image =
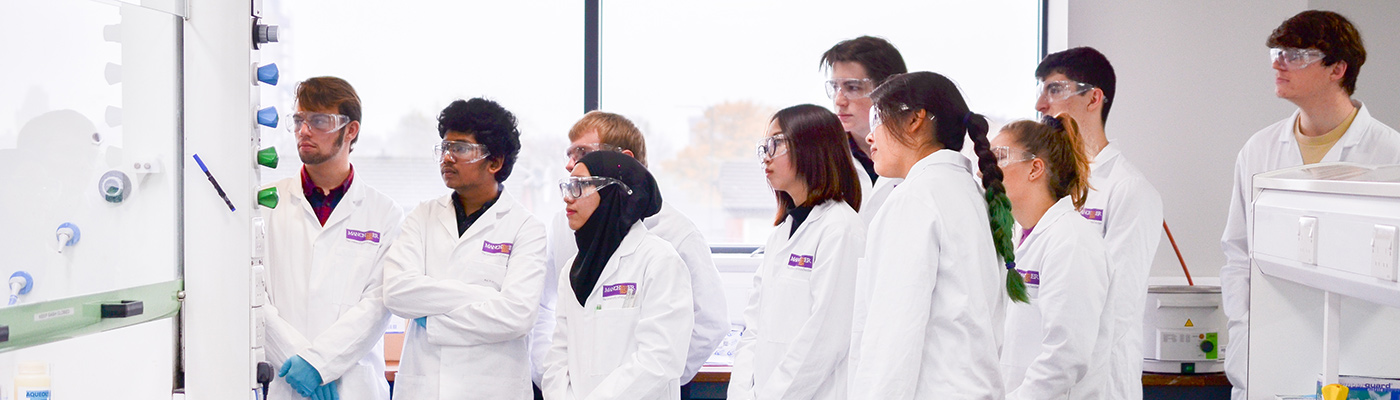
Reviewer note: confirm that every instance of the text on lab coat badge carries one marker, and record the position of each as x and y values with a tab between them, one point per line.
1031	277
621	289
623	293
800	261
1092	214
362	236
496	248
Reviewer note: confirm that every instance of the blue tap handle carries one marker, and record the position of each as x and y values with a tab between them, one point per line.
268	117
77	234
28	282
268	74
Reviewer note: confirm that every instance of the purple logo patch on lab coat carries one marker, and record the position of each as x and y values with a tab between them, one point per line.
1031	277
359	236
800	261
1092	214
621	289
495	248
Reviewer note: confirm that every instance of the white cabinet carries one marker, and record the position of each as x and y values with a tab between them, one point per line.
1323	299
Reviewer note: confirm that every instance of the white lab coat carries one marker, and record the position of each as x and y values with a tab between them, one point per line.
323	288
872	194
1058	346
1367	141
629	340
798	321
479	292
711	310
1127	212
930	291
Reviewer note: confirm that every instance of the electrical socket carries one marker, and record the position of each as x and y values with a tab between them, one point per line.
1383	249
1307	240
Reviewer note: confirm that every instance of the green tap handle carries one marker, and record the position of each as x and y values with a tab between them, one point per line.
268	197
268	157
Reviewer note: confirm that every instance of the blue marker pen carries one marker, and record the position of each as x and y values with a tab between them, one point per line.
216	183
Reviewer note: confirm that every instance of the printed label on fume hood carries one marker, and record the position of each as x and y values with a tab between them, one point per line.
48	315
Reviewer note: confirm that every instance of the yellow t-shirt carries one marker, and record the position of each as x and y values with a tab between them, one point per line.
1316	147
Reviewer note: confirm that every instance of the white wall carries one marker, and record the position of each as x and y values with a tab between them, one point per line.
1194	82
1378	86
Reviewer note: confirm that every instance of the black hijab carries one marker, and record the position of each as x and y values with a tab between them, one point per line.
617	211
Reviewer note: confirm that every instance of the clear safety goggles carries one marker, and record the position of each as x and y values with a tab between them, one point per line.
1003	155
772	147
461	151
1054	91
320	123
577	187
577	151
852	88
1292	59
876	120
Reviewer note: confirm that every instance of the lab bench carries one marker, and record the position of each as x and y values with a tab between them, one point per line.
713	381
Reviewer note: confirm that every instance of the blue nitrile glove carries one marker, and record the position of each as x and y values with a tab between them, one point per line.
301	375
422	321
327	392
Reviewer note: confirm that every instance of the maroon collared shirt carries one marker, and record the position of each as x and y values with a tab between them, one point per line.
323	204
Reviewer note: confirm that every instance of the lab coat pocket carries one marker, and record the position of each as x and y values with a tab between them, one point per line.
614	331
349	274
358	249
409	387
487	273
788	304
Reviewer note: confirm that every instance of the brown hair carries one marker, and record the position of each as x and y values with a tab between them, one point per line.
1056	141
819	151
879	58
612	129
325	92
1329	32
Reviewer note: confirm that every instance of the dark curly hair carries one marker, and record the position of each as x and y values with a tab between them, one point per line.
490	124
1329	32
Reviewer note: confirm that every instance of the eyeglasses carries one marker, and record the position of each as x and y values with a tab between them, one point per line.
577	187
320	123
1003	155
852	88
1054	91
461	151
577	151
773	146
1292	59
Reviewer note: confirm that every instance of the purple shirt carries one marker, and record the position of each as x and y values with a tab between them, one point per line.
323	204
